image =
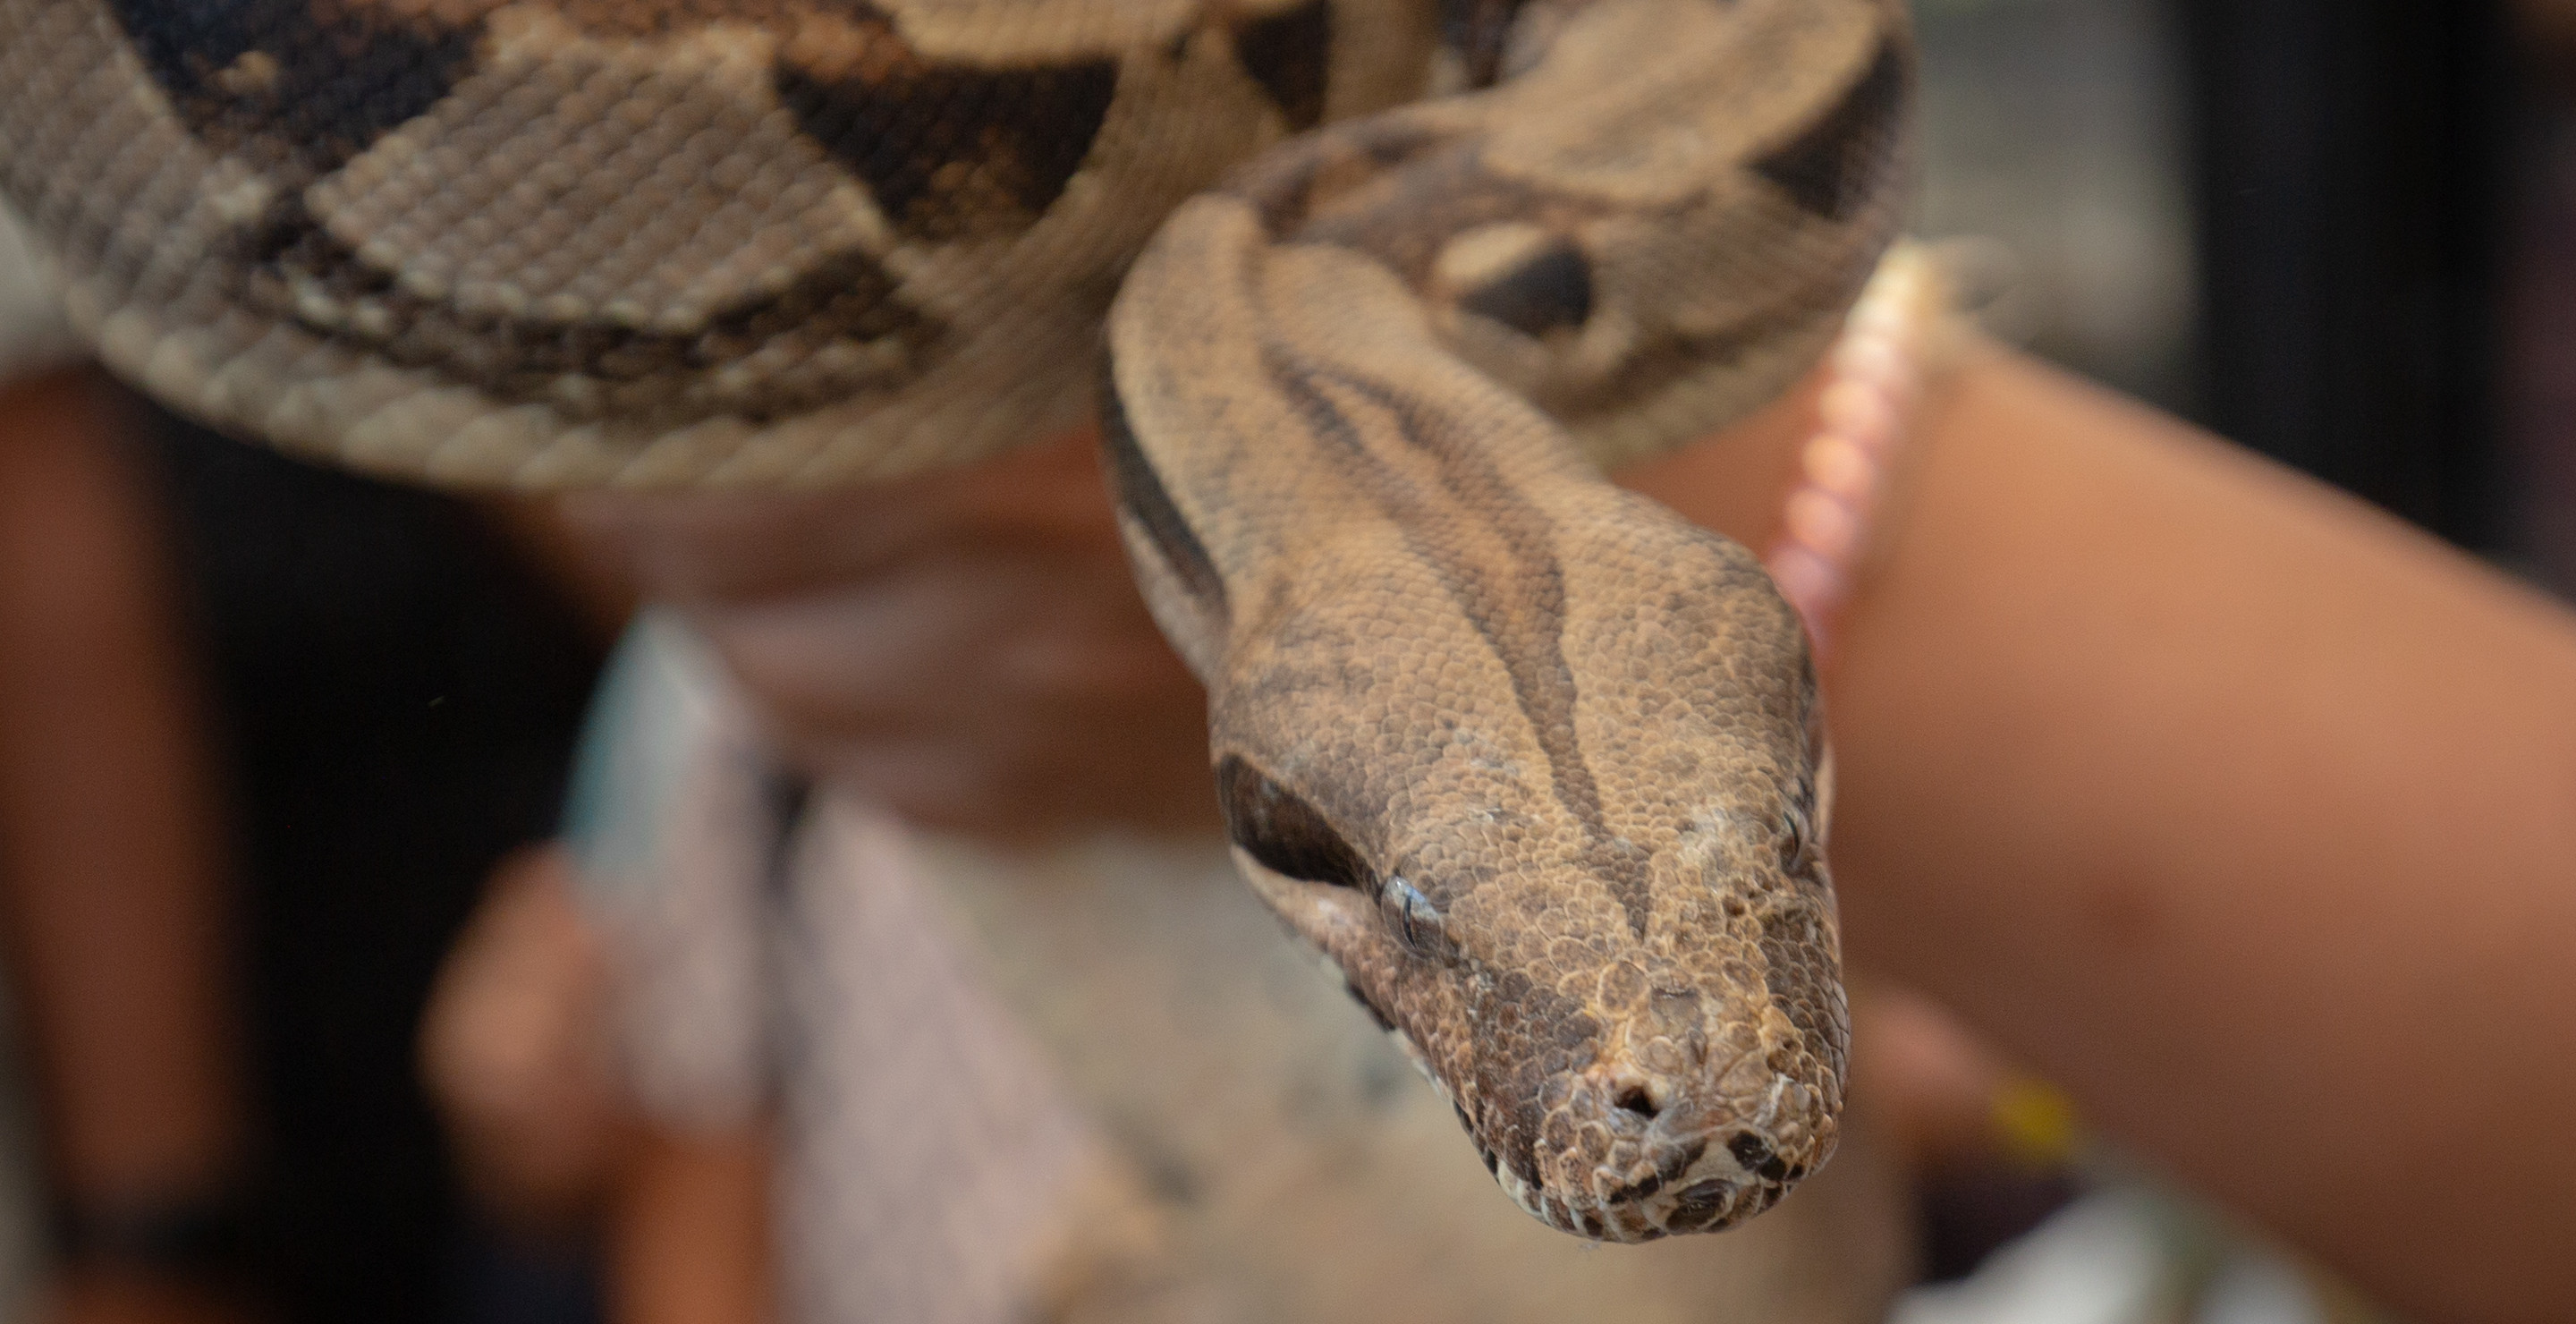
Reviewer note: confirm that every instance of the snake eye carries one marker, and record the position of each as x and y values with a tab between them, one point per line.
1287	835
1415	920
1795	839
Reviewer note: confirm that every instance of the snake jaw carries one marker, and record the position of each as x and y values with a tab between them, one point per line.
1683	1118
1625	1073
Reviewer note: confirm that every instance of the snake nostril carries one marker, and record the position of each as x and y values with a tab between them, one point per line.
1635	1099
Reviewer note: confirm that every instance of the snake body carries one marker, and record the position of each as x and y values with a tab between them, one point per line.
1538	765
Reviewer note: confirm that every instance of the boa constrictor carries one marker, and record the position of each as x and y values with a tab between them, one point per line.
1534	762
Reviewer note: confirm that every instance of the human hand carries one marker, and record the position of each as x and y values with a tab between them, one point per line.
515	1051
967	646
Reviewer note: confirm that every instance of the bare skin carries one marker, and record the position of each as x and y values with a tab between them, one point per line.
2228	804
966	646
2239	810
688	1233
109	847
513	1051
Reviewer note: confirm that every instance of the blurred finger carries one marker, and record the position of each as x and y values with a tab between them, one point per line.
962	636
716	546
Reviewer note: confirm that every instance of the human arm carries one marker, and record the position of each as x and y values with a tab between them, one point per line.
110	846
2241	811
689	1238
516	1051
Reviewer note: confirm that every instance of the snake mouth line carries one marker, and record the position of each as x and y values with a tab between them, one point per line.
1705	1183
1651	1211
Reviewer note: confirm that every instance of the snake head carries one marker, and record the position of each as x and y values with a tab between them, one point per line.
1600	922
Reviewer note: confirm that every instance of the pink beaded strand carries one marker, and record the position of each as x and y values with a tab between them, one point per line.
1862	417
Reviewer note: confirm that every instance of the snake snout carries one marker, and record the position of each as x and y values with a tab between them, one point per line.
1629	1153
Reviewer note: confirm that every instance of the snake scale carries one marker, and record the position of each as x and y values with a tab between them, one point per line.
1385	284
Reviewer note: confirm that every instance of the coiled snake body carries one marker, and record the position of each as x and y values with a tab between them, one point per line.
1533	761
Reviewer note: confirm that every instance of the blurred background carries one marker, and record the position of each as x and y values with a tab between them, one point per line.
2338	233
2341	232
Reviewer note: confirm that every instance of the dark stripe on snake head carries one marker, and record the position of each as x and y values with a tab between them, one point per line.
290	84
1290	54
948	151
1143	497
1834	167
1519	612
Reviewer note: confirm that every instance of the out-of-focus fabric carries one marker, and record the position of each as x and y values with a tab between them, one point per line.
769	949
1094	1083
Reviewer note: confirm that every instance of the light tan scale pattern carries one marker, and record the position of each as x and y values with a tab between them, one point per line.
589	174
1553	754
